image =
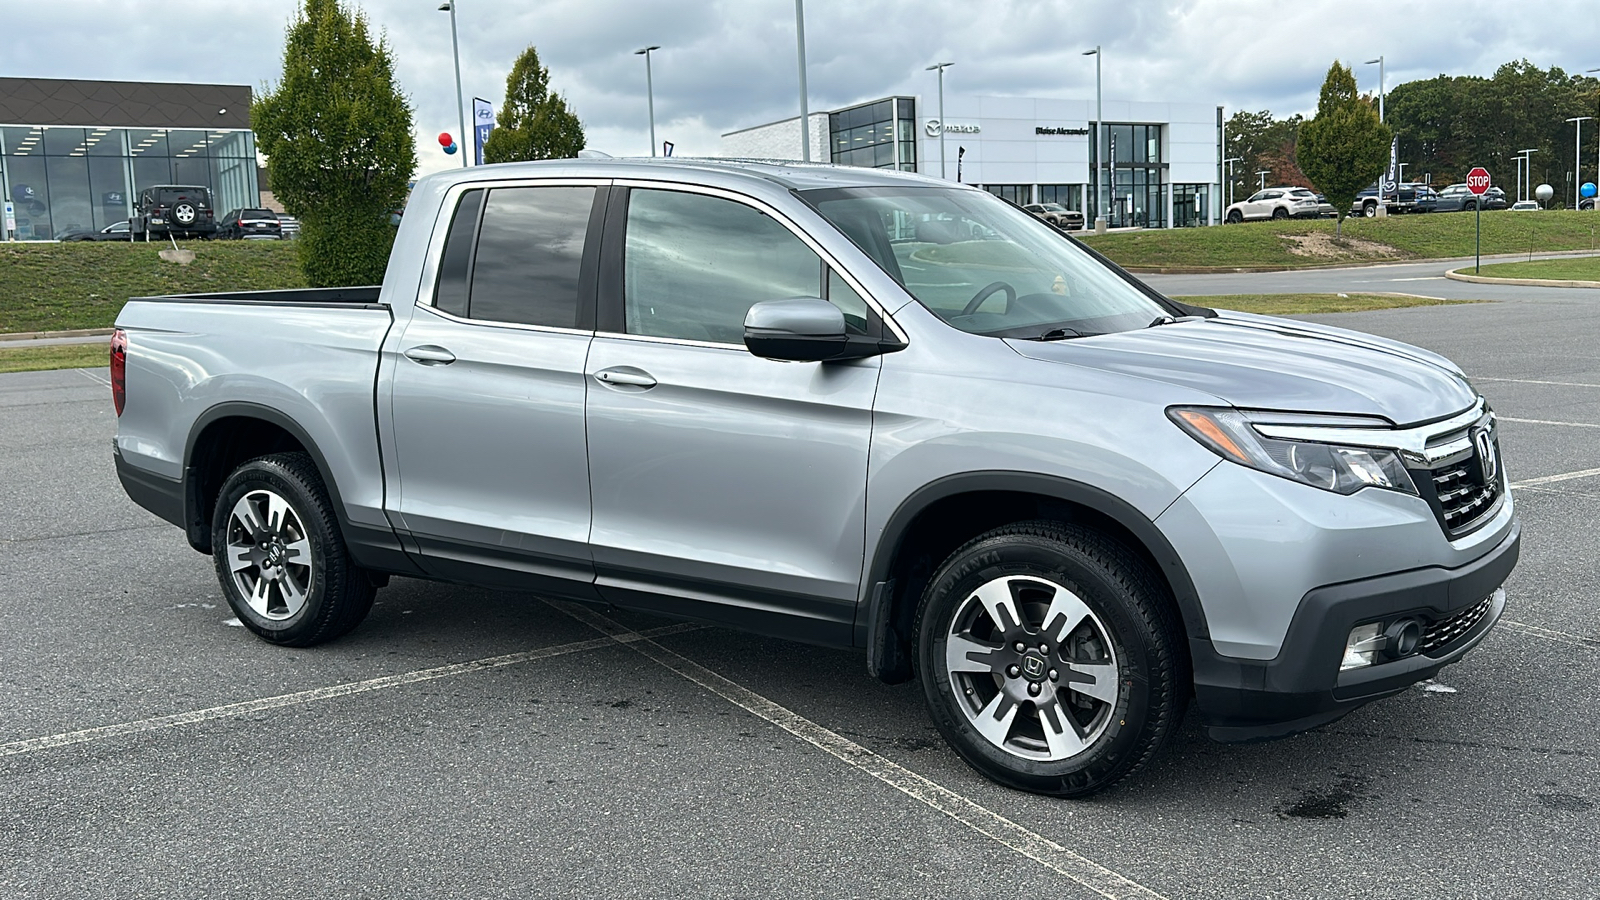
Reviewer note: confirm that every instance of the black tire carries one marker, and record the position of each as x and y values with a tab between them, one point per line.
1131	620
1280	213
1234	217
1369	210
333	593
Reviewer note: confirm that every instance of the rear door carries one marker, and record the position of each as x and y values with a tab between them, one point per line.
488	390
726	486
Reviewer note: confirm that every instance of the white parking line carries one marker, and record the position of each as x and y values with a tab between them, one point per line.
1551	479
93	377
1034	846
1550	634
1532	381
1549	422
323	693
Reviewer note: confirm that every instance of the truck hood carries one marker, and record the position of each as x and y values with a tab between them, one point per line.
1259	362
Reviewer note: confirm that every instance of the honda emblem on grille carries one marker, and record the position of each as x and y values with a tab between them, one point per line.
1486	454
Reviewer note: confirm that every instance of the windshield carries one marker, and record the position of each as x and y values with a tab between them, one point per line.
983	265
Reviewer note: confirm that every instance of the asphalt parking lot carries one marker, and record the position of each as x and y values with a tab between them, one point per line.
466	743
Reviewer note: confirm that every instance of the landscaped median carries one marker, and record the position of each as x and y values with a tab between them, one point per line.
1579	272
1304	244
1308	304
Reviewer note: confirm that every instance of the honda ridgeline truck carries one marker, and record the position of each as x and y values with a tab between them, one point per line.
844	406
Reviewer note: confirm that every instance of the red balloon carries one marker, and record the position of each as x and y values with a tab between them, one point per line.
445	139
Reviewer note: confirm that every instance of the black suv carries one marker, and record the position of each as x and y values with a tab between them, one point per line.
180	210
250	223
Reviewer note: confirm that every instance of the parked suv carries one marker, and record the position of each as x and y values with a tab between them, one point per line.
177	210
252	224
846	406
1458	197
1057	215
1275	203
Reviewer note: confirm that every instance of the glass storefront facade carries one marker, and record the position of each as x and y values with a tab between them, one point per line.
1068	195
64	179
880	135
1135	174
1020	194
1189	204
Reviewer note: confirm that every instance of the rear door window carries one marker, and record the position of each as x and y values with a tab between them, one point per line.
529	255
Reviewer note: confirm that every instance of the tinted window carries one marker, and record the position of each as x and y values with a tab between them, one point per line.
450	291
529	253
695	264
258	214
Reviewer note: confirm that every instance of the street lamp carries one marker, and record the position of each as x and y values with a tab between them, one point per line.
649	92
805	114
1577	155
455	47
1229	163
1099	145
1526	165
1402	174
1379	61
1263	173
940	67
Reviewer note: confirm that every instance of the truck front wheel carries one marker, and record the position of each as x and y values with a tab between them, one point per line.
1050	658
280	554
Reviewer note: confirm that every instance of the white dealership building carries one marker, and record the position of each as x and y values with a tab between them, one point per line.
1161	167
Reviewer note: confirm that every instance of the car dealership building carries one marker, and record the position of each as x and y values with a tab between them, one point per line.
75	154
1161	167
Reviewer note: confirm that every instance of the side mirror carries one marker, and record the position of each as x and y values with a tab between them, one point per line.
802	329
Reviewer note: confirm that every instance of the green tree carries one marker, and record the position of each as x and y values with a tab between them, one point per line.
1263	143
337	136
1345	147
533	122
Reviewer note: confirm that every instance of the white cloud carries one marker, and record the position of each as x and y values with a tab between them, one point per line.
729	64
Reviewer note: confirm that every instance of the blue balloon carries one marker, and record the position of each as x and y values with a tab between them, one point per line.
1588	189
451	148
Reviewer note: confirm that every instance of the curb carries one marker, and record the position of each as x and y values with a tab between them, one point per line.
48	335
1357	264
1460	275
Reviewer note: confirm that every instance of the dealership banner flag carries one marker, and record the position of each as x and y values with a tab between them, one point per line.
1392	177
482	123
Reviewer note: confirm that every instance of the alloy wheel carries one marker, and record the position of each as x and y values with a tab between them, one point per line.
1033	668
269	555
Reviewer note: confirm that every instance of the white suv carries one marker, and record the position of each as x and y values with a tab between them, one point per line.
1275	203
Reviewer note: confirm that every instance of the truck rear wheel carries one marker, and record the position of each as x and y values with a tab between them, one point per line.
1050	659
280	554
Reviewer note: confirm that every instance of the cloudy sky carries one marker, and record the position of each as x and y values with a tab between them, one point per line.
730	64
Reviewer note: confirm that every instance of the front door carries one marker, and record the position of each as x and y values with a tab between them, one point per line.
725	486
487	395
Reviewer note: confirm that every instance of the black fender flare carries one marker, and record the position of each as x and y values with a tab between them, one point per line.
872	623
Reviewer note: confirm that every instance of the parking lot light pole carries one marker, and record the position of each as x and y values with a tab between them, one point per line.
940	67
1263	173
1229	163
1525	185
649	92
1379	61
455	48
1099	144
805	113
1577	157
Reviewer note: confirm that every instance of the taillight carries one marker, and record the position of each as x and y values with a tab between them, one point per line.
119	369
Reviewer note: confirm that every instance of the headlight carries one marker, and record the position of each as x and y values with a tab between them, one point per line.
1344	470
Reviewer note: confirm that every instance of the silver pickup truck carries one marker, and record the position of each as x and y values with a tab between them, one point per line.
844	406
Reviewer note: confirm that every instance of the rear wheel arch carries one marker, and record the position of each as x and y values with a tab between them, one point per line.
227	435
940	517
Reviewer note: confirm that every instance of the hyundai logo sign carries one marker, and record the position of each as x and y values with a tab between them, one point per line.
934	128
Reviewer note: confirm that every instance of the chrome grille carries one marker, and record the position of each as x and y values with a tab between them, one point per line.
1462	500
1445	631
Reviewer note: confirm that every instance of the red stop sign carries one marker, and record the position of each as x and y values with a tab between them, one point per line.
1478	180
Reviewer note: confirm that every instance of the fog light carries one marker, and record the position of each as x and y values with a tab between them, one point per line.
1362	647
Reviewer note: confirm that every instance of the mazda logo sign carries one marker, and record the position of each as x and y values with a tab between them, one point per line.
934	128
1487	459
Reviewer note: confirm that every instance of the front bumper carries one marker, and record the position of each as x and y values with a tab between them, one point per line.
1303	687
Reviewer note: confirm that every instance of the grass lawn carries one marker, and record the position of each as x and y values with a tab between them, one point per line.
1302	243
54	287
1292	304
64	356
1586	268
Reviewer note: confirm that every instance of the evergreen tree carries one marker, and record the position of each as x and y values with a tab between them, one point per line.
533	122
1345	147
337	136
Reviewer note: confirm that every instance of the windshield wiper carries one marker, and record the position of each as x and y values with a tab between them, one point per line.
1060	334
1170	320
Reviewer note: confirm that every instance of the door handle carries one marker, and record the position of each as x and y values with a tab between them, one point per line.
430	355
625	377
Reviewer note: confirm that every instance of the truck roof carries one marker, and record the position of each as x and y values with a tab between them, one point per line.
789	174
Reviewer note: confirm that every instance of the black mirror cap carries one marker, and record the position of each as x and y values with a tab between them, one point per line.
831	348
